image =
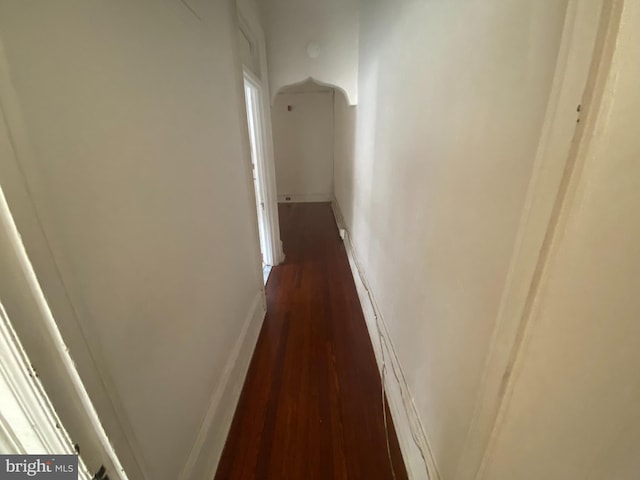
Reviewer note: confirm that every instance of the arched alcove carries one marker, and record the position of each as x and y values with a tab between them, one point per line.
303	121
310	84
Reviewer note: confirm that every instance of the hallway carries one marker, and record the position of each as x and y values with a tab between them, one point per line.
481	159
311	405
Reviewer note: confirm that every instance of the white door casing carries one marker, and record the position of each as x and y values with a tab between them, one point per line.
29	423
263	171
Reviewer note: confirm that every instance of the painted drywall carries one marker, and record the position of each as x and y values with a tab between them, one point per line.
129	129
452	97
344	145
251	40
303	144
573	409
248	52
291	25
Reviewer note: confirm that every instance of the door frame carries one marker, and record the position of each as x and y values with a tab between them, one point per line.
29	423
579	62
22	239
47	385
265	173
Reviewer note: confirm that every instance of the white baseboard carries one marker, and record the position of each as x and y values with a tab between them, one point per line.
419	461
207	448
305	197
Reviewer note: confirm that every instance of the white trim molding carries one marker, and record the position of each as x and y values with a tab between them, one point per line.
248	24
209	443
33	315
29	423
567	105
604	25
34	425
414	444
305	198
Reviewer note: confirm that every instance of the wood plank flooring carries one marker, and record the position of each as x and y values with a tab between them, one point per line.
311	407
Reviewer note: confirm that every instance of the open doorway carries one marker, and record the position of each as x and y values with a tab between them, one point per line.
313	138
255	122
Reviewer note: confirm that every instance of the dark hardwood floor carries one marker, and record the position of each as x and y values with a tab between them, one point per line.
311	407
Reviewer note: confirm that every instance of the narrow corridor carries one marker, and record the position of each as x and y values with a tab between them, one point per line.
311	407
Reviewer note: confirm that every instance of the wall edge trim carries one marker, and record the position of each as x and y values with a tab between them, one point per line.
305	198
204	456
419	460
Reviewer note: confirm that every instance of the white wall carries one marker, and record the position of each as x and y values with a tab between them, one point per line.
128	124
452	97
252	43
345	117
573	408
303	145
290	25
